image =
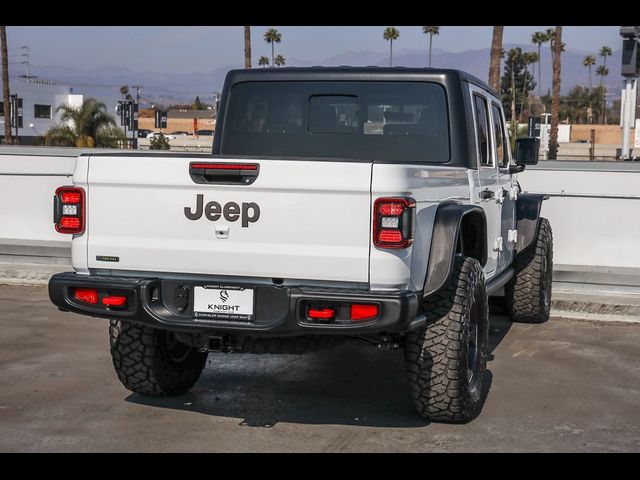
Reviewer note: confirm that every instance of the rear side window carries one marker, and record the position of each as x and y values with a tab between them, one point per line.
499	137
370	121
482	129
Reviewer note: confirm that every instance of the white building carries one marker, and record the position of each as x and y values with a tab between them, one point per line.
40	99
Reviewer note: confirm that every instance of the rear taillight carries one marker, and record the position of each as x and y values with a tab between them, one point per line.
68	210
393	222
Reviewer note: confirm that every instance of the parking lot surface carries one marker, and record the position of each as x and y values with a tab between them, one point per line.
562	386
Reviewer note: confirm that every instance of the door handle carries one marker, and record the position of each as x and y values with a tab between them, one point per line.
486	194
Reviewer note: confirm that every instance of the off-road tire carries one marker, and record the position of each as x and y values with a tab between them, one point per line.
437	356
150	361
528	293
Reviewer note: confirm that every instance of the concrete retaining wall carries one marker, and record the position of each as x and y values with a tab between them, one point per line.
593	211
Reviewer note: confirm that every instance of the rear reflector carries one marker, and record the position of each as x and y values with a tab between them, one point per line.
321	313
363	312
87	295
113	301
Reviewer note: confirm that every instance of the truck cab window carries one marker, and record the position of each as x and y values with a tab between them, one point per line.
482	130
502	154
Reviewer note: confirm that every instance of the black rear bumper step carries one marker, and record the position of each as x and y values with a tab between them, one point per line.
279	311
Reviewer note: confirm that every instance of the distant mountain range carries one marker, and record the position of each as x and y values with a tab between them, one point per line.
175	87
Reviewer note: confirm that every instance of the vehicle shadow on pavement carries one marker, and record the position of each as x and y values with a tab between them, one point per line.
351	384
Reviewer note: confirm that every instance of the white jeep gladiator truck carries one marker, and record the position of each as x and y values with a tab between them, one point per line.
376	204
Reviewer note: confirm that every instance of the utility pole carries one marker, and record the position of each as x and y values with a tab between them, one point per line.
6	96
135	114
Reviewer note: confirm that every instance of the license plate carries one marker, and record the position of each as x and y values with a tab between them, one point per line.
225	303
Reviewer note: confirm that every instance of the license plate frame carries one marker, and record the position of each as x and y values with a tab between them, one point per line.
210	303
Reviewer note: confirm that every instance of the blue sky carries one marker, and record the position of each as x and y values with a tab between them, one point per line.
187	49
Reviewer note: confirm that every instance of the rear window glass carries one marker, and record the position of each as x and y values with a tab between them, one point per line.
371	121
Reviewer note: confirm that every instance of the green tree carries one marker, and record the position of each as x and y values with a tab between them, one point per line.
263	61
390	34
431	31
6	98
539	38
88	126
529	58
159	142
602	72
604	53
279	61
515	84
272	36
198	105
589	61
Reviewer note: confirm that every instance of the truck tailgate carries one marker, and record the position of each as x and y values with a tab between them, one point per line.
313	221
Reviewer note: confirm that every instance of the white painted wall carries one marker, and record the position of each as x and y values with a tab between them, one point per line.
594	211
594	207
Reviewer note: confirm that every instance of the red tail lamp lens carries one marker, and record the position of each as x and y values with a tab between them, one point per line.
321	313
70	223
70	197
390	236
390	209
87	295
363	311
114	301
69	204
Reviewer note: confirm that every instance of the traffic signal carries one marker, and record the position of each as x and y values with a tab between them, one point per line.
630	54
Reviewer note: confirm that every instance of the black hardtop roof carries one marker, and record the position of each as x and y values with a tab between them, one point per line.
348	73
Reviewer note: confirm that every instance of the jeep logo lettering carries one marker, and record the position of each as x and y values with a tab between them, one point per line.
249	212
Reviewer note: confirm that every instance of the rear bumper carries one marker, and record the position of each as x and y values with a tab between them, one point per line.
279	311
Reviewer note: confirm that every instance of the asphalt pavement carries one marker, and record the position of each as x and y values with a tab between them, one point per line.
562	386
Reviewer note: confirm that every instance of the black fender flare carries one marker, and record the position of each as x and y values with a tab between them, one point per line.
528	206
444	242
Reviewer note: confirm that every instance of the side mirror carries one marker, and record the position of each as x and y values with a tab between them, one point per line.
527	151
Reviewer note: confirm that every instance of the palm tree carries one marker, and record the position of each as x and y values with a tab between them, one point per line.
88	125
279	61
588	62
604	53
6	99
247	47
555	103
602	72
529	59
431	31
272	36
539	38
390	34
494	61
263	61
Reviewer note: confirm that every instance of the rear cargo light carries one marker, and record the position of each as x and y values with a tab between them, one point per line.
363	311
223	166
321	313
114	301
68	210
87	295
393	222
